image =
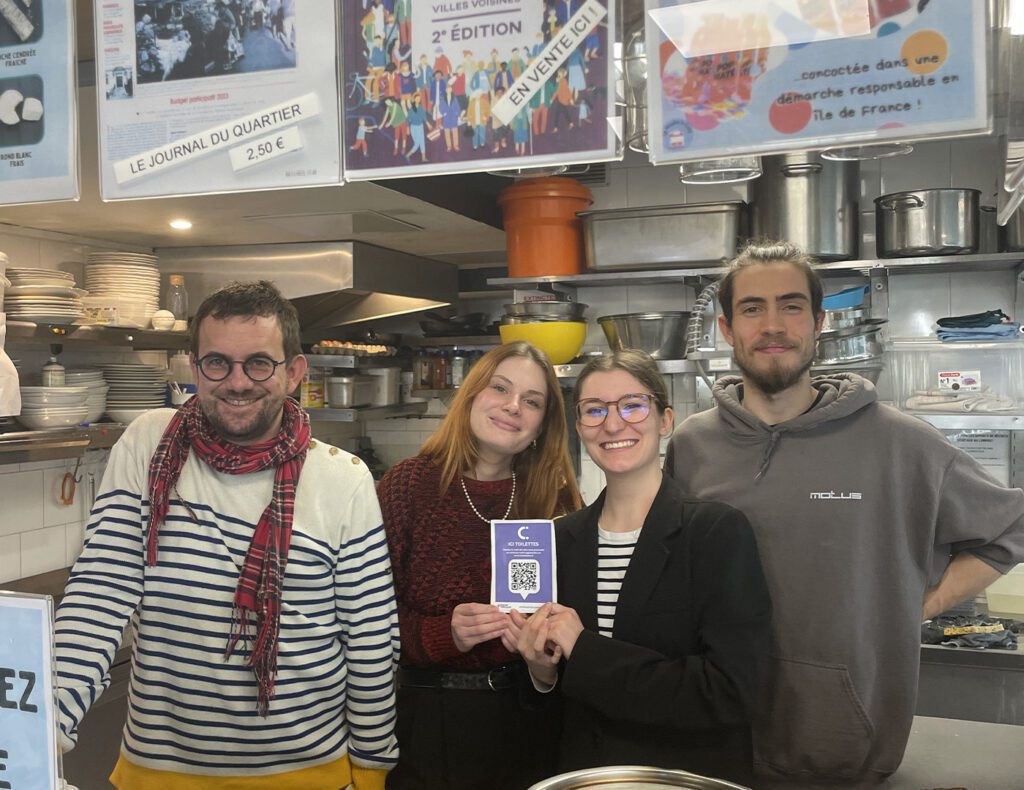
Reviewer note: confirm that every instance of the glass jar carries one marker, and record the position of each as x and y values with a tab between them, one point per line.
176	298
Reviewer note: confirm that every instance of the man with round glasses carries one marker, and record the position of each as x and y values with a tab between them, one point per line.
867	521
253	565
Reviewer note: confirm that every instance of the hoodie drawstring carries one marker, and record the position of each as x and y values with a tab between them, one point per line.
773	440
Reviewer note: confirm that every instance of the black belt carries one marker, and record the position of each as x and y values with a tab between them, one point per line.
497	679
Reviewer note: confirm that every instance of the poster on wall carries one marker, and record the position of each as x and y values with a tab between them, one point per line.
764	75
38	106
203	96
448	86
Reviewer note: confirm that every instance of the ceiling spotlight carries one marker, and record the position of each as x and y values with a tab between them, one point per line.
180	224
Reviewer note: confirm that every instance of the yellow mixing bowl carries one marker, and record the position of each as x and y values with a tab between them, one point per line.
560	340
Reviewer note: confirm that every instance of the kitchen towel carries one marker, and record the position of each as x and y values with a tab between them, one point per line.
1010	331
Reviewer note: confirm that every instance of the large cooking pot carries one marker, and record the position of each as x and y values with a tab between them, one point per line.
809	201
1013	232
927	222
633	777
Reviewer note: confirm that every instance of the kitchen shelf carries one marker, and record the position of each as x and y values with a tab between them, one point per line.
937	263
444	342
352	361
367	413
447	392
97	335
28	446
968	422
665	366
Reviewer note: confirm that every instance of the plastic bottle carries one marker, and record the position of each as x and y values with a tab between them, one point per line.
176	298
53	373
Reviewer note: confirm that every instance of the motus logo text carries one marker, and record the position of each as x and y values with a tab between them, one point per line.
834	495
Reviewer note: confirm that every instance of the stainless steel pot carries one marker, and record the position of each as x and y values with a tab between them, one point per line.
1013	232
843	319
662	335
633	777
809	201
927	222
988	230
851	345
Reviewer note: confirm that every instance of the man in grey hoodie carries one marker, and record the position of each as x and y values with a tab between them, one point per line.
867	521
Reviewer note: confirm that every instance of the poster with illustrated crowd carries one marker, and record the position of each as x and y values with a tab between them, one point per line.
443	86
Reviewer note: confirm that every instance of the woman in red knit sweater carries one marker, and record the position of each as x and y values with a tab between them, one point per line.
502	452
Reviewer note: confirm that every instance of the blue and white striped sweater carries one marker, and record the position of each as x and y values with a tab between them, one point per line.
191	710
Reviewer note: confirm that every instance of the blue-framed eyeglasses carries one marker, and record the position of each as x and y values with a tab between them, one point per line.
631	408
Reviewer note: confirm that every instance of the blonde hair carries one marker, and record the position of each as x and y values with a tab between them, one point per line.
546	484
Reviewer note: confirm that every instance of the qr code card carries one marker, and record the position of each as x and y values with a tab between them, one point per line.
522	564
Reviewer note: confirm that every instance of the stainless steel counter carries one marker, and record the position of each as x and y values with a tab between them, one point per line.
953	753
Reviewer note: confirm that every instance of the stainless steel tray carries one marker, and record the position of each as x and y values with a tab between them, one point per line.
664	236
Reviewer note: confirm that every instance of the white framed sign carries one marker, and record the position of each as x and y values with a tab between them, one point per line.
199	97
29	752
757	76
38	102
435	87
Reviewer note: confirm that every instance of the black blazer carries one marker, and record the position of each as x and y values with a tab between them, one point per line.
678	683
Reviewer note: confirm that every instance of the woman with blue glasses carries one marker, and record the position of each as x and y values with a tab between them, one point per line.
660	631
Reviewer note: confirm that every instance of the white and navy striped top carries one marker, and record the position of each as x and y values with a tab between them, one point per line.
189	709
614	551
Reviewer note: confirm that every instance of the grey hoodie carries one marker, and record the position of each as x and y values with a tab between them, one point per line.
857	508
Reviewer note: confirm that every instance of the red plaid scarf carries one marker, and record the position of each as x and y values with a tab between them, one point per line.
259	584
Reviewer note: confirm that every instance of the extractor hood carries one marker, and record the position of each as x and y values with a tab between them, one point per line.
330	283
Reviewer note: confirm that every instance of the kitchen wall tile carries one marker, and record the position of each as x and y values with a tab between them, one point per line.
21	251
6	469
10	558
393	453
655	186
915	301
381	438
975	292
667	296
43	550
56	463
714	193
971	167
615	195
74	538
927	167
22	498
54	512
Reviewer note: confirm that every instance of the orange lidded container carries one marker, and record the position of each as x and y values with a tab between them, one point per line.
542	232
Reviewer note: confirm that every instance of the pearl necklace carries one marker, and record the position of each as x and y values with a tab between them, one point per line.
508	510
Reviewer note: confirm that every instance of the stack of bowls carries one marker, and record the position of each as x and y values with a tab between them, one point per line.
96	390
556	328
50	408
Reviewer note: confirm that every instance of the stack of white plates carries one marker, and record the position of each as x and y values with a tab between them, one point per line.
44	296
134	389
49	408
127	281
96	389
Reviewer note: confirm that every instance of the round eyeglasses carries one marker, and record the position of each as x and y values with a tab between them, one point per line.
631	408
217	368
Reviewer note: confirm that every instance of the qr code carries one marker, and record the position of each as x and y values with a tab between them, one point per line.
524	577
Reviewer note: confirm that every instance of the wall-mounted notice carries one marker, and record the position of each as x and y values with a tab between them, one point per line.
38	107
198	97
749	76
28	726
448	86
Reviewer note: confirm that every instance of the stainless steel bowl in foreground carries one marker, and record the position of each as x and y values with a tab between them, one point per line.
662	335
633	777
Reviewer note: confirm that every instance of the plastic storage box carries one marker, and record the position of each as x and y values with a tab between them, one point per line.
960	378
